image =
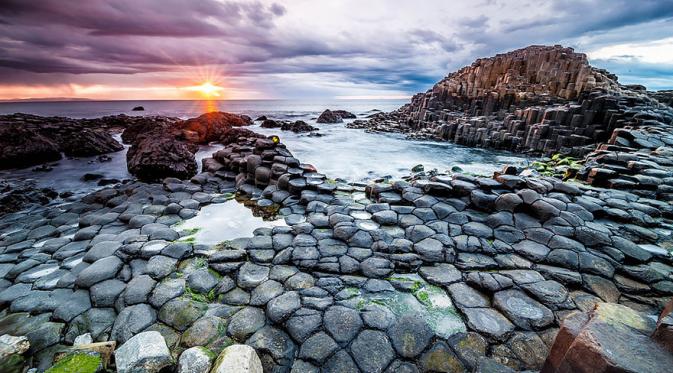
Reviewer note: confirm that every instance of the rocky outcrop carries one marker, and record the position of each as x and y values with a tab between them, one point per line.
28	140
540	100
526	76
153	158
211	126
344	114
665	97
609	338
143	125
23	147
298	126
329	116
15	195
164	147
264	163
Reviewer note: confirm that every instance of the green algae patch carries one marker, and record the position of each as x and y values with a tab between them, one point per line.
558	166
429	302
77	363
200	297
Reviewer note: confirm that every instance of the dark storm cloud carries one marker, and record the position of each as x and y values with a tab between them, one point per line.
173	18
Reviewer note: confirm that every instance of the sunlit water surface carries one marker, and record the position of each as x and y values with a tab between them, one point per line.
223	222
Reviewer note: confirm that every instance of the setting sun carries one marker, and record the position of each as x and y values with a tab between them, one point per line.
207	89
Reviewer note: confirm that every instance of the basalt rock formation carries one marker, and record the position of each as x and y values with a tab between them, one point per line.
164	147
540	99
536	74
546	100
27	140
435	272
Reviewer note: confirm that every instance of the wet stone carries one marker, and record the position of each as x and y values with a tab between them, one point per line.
525	312
372	351
303	323
167	290
440	358
410	335
488	322
236	297
342	323
317	348
341	361
252	275
376	267
201	281
440	274
465	296
275	348
100	270
281	307
132	320
160	266
181	313
138	290
245	323
101	250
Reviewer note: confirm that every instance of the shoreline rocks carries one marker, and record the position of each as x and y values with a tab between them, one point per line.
433	270
298	126
29	140
334	116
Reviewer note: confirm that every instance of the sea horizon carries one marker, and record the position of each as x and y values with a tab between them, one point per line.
275	108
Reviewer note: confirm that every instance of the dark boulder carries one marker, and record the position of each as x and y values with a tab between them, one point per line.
91	176
344	114
154	158
138	108
270	123
261	118
146	125
87	142
329	116
23	147
298	126
211	126
234	134
28	140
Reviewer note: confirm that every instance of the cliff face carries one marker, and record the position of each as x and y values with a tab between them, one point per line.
531	75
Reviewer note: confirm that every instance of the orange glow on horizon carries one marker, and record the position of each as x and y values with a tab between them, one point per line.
207	89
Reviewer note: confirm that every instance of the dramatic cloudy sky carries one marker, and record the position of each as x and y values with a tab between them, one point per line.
151	49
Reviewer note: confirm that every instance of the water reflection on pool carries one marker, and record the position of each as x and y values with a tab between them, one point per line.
223	222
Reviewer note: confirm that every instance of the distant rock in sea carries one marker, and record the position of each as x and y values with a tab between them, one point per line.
138	108
335	116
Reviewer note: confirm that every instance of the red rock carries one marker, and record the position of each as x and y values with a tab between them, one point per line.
609	338
211	126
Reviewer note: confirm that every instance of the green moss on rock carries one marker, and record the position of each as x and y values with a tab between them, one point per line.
80	362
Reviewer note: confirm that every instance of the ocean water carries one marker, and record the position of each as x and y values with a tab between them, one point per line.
282	109
349	154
